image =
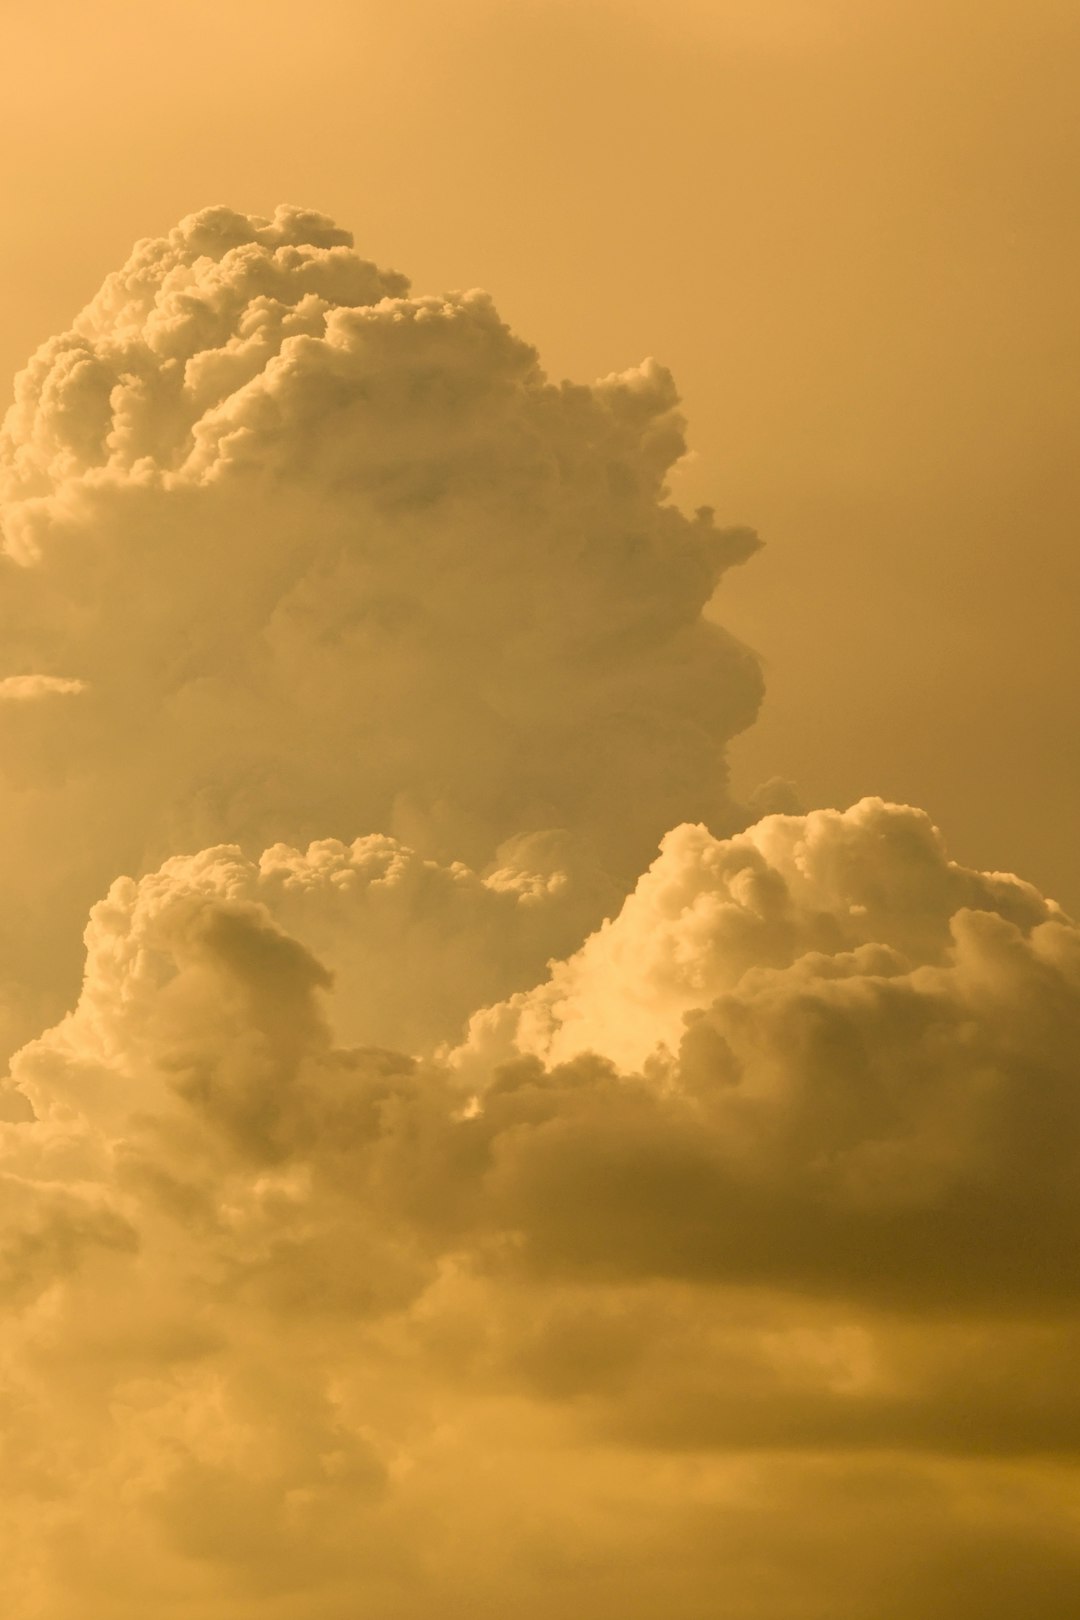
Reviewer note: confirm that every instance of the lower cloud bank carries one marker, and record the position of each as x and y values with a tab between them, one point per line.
730	1268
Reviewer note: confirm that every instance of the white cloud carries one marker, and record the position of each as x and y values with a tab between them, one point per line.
27	688
350	1261
332	560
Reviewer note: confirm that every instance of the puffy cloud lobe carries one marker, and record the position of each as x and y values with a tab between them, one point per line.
829	1225
187	321
412	944
858	1070
328	559
866	892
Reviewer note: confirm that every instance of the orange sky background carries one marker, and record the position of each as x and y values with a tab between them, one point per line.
461	1153
850	229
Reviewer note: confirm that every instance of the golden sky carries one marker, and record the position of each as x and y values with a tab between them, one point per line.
539	1117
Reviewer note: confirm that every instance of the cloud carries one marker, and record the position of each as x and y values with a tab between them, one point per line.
27	688
420	1207
855	1063
412	944
333	559
836	895
794	1263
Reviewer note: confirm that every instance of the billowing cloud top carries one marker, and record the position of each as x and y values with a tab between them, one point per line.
172	346
418	1210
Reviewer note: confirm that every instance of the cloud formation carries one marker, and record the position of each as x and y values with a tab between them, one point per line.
383	1228
875	1054
349	1303
334	559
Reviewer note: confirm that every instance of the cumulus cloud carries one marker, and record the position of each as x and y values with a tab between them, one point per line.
869	891
819	1211
333	559
856	1062
418	1209
413	944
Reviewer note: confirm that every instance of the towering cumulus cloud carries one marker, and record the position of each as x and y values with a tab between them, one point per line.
324	557
356	1257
